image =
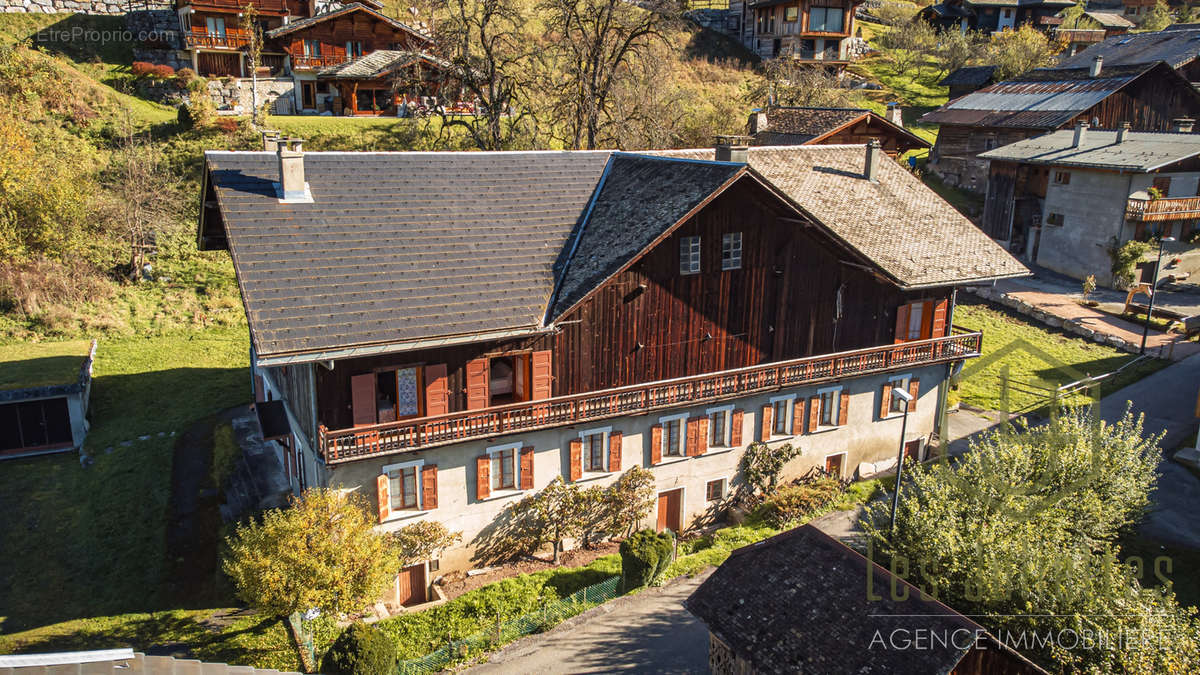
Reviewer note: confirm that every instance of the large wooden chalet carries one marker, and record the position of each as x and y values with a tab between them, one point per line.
450	331
816	32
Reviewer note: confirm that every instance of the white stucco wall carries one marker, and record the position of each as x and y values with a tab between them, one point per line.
1093	210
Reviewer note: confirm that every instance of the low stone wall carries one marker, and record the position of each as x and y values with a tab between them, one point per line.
1068	325
100	7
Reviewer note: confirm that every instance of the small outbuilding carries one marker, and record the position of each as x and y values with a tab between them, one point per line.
44	391
803	602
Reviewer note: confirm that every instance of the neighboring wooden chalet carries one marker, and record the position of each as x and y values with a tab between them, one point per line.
1059	200
993	16
968	79
788	125
803	602
1177	46
1090	28
817	32
44	393
449	331
1046	99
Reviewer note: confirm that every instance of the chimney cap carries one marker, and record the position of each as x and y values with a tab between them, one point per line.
733	139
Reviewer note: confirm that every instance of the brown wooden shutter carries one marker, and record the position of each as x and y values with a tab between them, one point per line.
656	444
885	401
543	375
477	384
844	412
383	492
702	435
798	416
527	467
614	451
902	323
939	318
927	319
575	467
814	413
483	482
437	390
362	399
693	437
914	388
429	492
766	422
735	431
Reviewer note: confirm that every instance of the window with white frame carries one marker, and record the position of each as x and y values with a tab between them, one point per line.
674	429
720	427
714	490
595	449
831	406
915	319
896	405
781	415
405	485
731	251
689	255
505	469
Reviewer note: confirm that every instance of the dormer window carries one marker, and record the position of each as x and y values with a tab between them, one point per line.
689	255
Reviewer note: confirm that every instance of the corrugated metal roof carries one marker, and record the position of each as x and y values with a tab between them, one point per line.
1140	151
1176	47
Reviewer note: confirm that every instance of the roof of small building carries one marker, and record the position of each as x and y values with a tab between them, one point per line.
29	365
1176	47
799	125
1140	151
377	64
969	75
348	8
801	602
403	247
1044	98
1110	19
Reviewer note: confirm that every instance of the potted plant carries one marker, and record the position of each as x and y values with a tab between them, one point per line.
1089	287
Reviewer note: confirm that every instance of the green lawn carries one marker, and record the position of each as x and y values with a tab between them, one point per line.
1036	357
88	542
41	364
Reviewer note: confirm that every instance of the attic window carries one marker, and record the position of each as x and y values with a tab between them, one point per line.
689	255
731	251
1062	177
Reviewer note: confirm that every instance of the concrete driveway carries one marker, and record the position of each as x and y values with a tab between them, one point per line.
649	632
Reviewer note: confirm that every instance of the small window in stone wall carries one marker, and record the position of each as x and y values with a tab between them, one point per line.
1054	219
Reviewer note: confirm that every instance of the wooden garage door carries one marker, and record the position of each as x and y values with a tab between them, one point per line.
410	585
669	510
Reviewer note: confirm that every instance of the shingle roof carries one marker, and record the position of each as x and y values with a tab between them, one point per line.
898	223
399	246
808	123
301	24
799	602
969	75
1176	47
1045	98
1110	19
1140	151
377	64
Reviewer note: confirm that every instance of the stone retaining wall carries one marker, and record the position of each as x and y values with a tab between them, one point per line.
1068	325
101	7
233	94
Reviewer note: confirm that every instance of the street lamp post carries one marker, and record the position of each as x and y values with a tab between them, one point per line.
1153	292
906	398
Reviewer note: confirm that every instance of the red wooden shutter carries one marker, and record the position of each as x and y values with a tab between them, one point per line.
575	469
735	431
483	481
885	401
798	416
527	467
362	399
437	390
429	487
702	435
844	412
543	375
477	384
814	413
383	492
693	437
927	319
656	444
914	388
766	422
614	451
939	318
902	323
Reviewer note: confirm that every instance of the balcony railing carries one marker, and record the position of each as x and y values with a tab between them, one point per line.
206	41
1147	210
313	62
416	434
262	6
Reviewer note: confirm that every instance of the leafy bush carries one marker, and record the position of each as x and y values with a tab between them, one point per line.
361	650
762	464
1125	258
644	557
792	503
141	68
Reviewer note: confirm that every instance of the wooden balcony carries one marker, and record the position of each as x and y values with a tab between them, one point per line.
314	62
418	434
205	41
271	7
1150	210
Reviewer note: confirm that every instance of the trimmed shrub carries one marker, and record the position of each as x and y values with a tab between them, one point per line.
794	502
644	557
141	68
360	650
665	542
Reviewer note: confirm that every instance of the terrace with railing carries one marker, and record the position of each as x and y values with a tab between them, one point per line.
303	62
1148	210
417	434
230	40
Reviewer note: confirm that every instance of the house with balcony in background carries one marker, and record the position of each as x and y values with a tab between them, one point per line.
1149	96
993	16
817	32
449	332
1178	46
1061	200
1090	28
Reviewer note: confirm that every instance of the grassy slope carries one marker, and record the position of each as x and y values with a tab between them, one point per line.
1067	357
41	365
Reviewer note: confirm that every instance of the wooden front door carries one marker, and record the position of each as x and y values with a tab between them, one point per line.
833	465
670	510
410	585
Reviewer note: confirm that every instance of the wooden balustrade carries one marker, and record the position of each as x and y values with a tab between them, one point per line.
416	434
1182	208
311	62
207	41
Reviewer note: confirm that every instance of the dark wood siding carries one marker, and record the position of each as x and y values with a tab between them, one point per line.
997	208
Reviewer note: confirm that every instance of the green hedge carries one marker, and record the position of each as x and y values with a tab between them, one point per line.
361	650
645	556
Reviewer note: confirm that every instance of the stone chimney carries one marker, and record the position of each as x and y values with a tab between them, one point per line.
1097	65
733	149
1080	134
270	139
292	187
1122	132
894	114
874	157
1183	125
758	122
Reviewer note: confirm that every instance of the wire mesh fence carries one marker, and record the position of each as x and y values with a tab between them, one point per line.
543	619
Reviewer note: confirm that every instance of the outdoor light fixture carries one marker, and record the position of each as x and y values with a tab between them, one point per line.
903	395
1153	292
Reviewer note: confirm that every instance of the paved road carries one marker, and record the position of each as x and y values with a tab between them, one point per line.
649	632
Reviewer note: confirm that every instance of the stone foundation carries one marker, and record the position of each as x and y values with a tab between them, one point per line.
97	7
233	94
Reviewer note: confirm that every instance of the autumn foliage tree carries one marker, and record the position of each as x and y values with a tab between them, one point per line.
1021	50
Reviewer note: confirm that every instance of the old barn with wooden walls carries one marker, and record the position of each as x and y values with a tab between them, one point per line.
575	314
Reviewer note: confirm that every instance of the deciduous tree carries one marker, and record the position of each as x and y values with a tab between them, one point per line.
1158	18
629	500
762	465
1021	50
423	541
